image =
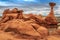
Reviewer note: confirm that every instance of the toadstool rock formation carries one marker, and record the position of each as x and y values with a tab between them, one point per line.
51	19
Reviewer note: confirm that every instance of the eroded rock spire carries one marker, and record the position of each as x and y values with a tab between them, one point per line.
51	19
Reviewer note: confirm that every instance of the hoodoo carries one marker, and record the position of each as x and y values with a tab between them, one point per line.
51	19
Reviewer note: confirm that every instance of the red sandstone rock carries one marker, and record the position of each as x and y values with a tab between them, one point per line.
58	30
38	19
6	12
22	27
15	10
20	14
53	38
11	14
43	31
51	19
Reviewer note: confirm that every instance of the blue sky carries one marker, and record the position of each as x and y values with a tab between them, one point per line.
31	6
26	2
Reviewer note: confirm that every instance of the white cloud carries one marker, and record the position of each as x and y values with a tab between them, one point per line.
57	11
36	10
2	3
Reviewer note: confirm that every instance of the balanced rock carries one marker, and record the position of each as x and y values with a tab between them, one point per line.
51	19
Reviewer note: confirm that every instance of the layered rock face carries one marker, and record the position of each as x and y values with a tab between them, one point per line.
26	26
51	19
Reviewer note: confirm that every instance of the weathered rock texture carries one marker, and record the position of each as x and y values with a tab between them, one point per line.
51	19
21	26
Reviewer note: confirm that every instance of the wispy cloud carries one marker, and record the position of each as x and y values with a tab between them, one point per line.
30	6
35	10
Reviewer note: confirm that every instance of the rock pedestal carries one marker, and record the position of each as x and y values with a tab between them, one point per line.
51	19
